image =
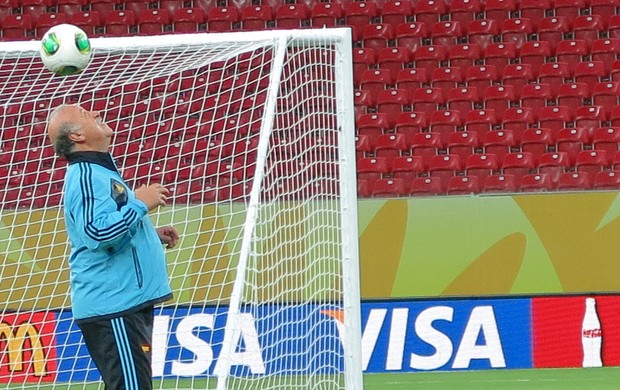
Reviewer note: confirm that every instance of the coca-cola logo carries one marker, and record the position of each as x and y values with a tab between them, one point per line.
592	333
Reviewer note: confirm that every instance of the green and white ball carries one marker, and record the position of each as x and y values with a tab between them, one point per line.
65	49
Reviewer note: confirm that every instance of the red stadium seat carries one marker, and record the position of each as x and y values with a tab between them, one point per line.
393	58
445	122
46	21
326	15
17	27
411	78
426	186
518	164
119	23
429	57
480	121
607	180
444	166
494	184
188	20
410	35
392	101
463	143
407	167
395	12
389	188
482	32
516	31
363	145
464	55
463	185
607	139
573	95
575	181
589	72
153	21
446	33
426	145
554	164
554	118
518	75
292	16
537	141
553	29
363	59
588	27
499	10
464	11
409	123
604	8
605	51
481	77
446	78
569	8
429	11
363	100
571	52
572	141
377	36
481	165
536	96
427	99
590	117
499	98
463	100
606	94
499	143
500	54
591	161
376	80
70	7
373	124
614	116
535	10
222	19
361	14
372	168
554	74
536	182
89	21
535	53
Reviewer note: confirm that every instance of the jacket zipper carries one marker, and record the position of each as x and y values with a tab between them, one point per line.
136	263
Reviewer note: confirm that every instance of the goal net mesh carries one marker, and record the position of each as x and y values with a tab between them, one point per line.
246	135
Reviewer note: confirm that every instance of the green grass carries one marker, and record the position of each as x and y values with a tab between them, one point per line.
544	379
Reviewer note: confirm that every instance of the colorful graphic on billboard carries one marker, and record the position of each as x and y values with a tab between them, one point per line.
27	347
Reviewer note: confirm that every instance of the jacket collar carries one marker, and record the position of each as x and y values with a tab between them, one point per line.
100	158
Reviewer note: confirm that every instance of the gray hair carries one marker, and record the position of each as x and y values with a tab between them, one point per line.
62	143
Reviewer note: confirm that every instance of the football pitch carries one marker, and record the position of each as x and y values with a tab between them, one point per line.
591	379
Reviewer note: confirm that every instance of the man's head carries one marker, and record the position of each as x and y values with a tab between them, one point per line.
74	129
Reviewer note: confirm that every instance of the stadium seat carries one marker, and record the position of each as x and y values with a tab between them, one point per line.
363	59
429	12
481	77
606	51
518	75
575	181
516	31
153	21
426	186
607	139
464	56
427	99
34	8
446	78
614	116
188	20
499	98
464	11
500	55
376	80
573	95
446	33
590	117
537	141
444	166
499	10
326	15
71	7
409	123
589	72
119	23
553	29
591	161
363	101
364	145
588	28
535	182
463	100
429	57
570	9
257	17
463	185
410	35
615	162
553	164
482	32
373	124
481	165
536	96
499	143
361	14
613	26
407	167
604	8
445	122
391	146
411	78
135	6
571	51
554	74
46	21
288	16
172	5
607	180
554	118
17	27
389	188
395	12
426	145
498	184
480	121
222	19
372	168
572	141
364	188
393	58
377	36
534	10
463	144
393	101
518	164
606	94
89	21
535	53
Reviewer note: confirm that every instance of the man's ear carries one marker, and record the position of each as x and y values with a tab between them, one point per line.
76	136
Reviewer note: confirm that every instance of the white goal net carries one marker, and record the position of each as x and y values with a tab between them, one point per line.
253	132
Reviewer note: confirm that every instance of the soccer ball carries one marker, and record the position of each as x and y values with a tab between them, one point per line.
65	49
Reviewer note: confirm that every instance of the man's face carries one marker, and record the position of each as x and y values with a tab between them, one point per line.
96	135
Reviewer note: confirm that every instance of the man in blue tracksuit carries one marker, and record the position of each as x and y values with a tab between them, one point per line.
117	262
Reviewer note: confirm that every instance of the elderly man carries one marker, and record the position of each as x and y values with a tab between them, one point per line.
117	262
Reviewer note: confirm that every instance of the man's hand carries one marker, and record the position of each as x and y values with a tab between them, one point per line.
152	196
168	236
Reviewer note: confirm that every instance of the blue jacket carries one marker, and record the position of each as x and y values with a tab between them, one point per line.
117	260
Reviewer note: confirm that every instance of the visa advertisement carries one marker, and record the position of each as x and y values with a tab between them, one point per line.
397	336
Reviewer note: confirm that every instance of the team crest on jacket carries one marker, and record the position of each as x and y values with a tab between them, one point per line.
119	193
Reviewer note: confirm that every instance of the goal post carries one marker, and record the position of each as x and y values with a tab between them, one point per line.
254	134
